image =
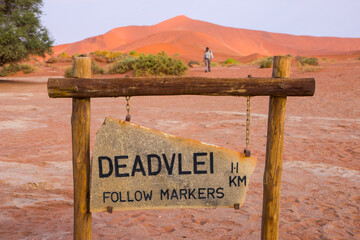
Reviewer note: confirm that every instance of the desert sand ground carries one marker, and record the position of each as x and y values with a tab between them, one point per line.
320	183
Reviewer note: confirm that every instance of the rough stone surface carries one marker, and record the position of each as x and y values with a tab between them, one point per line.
142	168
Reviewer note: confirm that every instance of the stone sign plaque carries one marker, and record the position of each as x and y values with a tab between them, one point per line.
134	167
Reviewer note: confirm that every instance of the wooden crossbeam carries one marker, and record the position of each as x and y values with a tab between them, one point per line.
150	86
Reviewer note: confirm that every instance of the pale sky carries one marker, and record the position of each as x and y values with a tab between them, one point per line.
74	20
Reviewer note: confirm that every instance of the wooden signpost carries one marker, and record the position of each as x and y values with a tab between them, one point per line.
83	87
80	123
135	167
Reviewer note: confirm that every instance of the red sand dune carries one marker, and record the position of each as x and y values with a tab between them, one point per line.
189	37
185	43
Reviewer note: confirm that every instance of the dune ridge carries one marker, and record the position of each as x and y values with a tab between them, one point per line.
189	37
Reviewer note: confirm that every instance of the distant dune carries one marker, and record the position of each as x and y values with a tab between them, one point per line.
189	37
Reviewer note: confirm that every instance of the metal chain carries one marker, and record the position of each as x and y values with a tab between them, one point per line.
128	116
247	123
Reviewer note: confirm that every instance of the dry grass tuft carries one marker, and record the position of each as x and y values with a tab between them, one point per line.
308	68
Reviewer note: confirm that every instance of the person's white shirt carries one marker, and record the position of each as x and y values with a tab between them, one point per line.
208	55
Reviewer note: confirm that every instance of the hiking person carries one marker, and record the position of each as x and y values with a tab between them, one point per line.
207	59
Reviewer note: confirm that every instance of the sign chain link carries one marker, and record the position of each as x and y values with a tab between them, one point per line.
247	151
128	116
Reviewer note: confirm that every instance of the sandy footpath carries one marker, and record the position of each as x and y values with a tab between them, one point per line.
320	183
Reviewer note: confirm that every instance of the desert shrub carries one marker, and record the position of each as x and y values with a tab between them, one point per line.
63	55
134	53
9	69
309	61
265	64
107	56
52	60
115	57
298	58
69	72
158	65
122	66
149	65
214	64
231	61
14	68
27	68
289	55
111	55
308	64
193	62
58	59
100	53
96	69
308	68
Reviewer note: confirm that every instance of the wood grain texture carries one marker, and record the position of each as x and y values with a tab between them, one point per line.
274	156
281	67
149	86
82	67
80	123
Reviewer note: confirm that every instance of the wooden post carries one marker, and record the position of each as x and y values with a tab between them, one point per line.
80	123
274	155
